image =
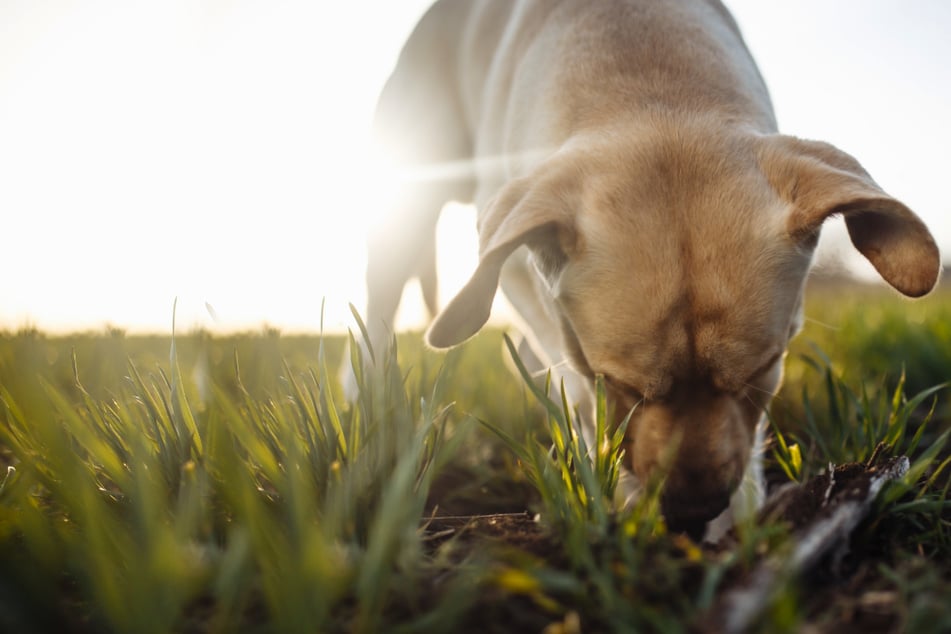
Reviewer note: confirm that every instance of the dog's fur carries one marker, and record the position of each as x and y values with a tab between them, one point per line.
639	208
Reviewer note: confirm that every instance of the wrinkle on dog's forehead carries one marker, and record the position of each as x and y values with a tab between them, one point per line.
649	315
686	271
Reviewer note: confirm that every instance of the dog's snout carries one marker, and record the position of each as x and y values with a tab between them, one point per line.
691	527
693	496
690	513
711	444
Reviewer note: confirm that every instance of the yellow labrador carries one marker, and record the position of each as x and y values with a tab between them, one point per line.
637	207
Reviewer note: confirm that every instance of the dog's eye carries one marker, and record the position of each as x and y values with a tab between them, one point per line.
766	367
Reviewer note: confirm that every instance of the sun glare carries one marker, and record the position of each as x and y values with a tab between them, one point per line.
217	151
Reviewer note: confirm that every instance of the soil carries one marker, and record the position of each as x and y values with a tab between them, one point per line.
516	530
821	515
801	505
839	585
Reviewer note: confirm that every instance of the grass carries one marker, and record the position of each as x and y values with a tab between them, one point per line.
223	484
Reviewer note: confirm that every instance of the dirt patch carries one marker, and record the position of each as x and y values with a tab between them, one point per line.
800	505
516	530
822	515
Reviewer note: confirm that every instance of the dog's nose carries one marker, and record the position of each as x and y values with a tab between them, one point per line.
694	529
690	514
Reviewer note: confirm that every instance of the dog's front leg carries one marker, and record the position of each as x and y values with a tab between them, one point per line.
424	140
402	247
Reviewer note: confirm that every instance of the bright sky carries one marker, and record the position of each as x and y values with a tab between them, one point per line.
216	150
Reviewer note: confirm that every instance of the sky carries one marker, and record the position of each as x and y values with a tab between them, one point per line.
216	151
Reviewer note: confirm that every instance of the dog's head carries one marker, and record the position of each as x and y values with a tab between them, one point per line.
676	267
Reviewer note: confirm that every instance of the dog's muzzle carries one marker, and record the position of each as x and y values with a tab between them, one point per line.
690	516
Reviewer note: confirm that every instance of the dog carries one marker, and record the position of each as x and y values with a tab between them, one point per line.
640	211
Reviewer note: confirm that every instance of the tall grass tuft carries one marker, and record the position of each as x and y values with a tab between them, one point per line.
847	424
296	511
576	483
228	487
619	556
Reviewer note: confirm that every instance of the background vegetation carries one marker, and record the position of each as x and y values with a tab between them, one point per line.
219	484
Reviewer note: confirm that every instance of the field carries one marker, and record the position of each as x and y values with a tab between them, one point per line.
223	484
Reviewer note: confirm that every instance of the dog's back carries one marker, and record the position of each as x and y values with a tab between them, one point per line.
501	77
483	88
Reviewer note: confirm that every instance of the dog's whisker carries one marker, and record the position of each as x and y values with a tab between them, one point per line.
539	374
821	323
760	406
758	389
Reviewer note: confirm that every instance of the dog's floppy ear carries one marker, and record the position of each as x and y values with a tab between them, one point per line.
821	181
530	210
